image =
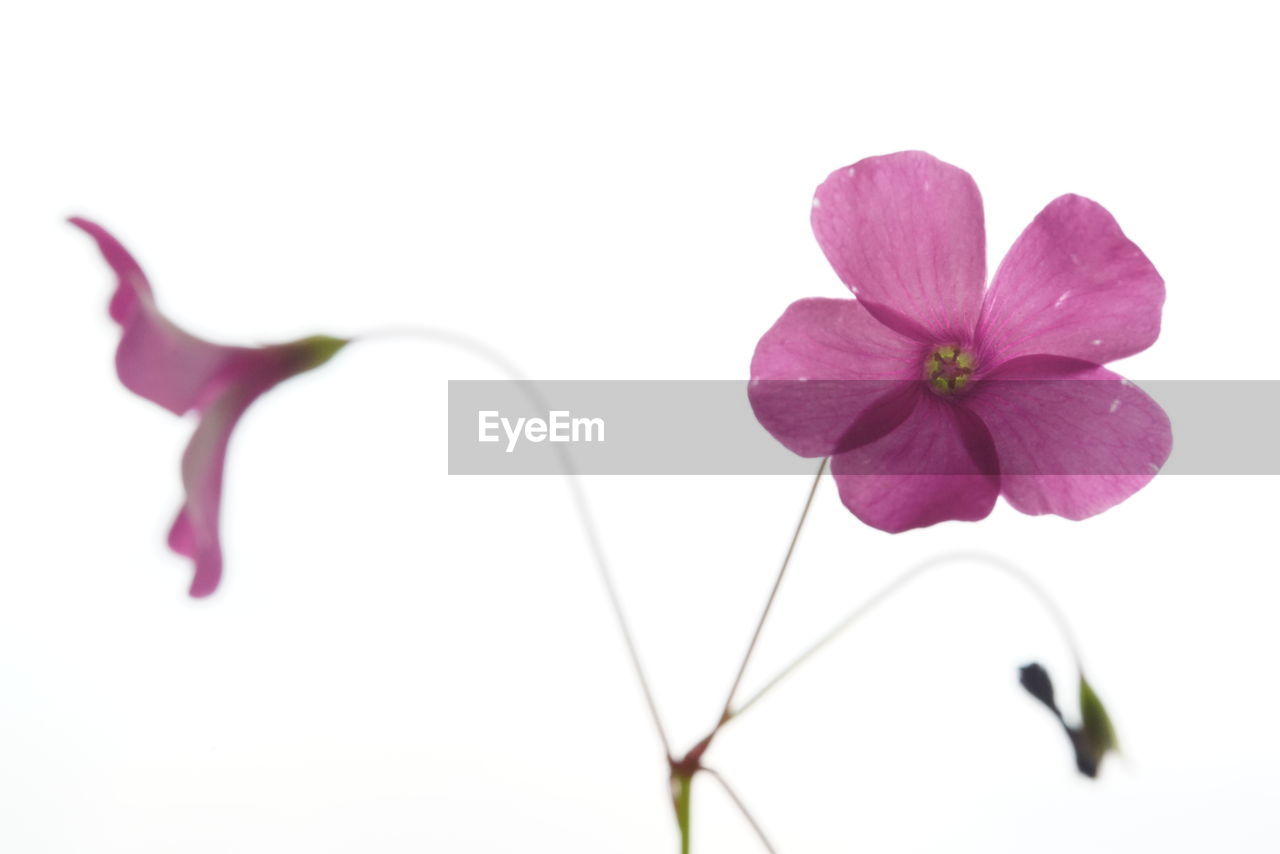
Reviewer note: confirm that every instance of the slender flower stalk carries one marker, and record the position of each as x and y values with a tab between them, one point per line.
896	586
683	770
742	808
495	358
773	595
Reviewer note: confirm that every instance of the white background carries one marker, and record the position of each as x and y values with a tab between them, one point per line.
403	661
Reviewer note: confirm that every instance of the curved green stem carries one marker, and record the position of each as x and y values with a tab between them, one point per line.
897	585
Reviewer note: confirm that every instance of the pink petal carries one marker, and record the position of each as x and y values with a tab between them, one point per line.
1072	285
195	532
825	367
905	233
156	359
937	465
1073	438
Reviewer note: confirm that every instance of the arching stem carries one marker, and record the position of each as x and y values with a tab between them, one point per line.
496	359
896	586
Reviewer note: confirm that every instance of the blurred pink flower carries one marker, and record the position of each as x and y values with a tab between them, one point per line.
932	393
182	373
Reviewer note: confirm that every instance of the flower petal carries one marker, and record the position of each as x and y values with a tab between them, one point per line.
939	464
156	359
825	368
1073	438
905	233
1072	285
195	532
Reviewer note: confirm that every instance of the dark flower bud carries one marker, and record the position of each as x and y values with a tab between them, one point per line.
1094	737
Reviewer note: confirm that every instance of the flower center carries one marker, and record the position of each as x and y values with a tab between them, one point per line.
947	370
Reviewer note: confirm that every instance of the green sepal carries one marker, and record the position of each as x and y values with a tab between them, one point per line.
318	349
1098	732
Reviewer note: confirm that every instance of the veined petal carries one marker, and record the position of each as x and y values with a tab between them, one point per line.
156	359
1072	285
1073	438
905	233
937	465
826	376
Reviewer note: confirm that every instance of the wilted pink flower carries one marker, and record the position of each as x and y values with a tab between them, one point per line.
933	394
184	374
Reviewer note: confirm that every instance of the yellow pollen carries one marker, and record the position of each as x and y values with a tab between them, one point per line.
948	369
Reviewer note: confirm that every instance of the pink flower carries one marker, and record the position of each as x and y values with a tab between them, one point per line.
932	393
182	373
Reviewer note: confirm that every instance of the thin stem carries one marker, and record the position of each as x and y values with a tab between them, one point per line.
773	594
902	581
504	365
682	792
746	813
